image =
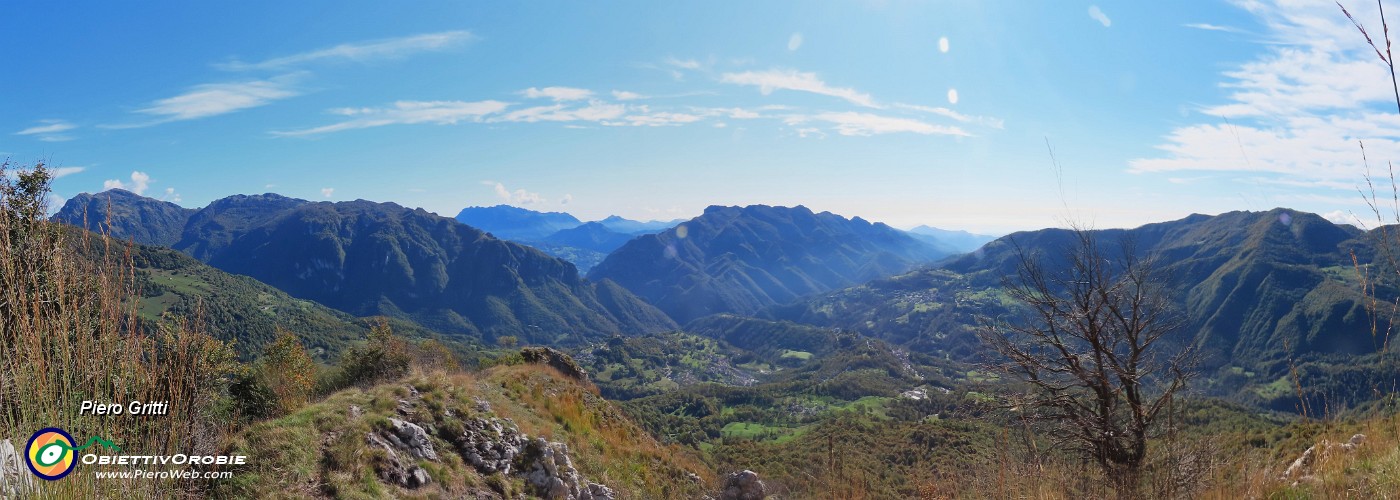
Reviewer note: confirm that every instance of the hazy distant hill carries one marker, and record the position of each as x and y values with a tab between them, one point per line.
560	234
741	259
628	226
133	217
592	236
956	241
513	223
370	258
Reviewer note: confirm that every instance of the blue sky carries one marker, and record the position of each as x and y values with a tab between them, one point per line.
905	112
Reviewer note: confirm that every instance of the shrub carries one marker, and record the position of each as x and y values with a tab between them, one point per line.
384	356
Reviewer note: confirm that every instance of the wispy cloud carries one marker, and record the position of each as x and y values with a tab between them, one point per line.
661	119
54	173
987	121
794	42
623	95
327	192
48	127
787	79
1213	27
1097	14
50	131
557	93
65	171
690	64
594	111
387	48
213	99
403	113
1298	109
865	124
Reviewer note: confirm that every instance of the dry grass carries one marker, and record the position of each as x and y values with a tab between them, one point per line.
69	332
610	448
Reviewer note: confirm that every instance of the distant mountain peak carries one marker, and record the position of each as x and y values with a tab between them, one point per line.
740	259
515	223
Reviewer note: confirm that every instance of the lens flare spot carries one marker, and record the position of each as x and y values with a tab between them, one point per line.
1285	219
682	231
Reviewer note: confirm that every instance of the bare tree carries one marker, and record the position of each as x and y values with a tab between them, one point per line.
1090	346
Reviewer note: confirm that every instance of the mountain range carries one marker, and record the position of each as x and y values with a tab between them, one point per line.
742	259
1263	293
369	258
560	234
953	241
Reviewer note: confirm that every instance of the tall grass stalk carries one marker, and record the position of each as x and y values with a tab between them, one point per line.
69	332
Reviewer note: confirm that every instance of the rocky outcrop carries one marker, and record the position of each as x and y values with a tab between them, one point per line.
404	443
555	359
1301	470
14	479
743	485
495	446
489	445
554	477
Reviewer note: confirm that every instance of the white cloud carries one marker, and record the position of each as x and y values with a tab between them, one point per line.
795	42
65	171
1298	109
566	199
996	123
48	127
557	93
54	173
139	182
952	96
1213	27
865	124
662	119
595	111
327	192
943	44
787	79
517	197
1344	217
623	95
1097	14
690	64
171	195
363	51
406	112
212	99
742	114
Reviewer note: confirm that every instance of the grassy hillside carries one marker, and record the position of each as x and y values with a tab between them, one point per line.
323	450
238	308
